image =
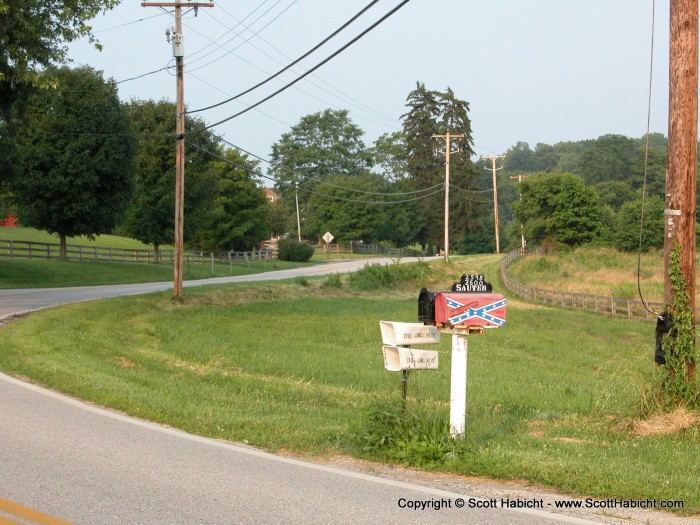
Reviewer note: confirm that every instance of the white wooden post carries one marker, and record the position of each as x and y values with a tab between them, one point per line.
458	386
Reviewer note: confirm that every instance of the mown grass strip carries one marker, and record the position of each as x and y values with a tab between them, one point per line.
22	273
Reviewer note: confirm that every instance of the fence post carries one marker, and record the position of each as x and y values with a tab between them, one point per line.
11	251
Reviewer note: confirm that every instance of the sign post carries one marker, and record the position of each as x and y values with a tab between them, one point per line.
328	237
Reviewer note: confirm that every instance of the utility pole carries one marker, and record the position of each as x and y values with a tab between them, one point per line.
520	178
679	212
179	54
296	198
447	138
495	195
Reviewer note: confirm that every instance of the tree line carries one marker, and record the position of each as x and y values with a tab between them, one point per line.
77	161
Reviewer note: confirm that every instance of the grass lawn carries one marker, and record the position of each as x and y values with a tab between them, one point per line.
37	273
555	397
19	233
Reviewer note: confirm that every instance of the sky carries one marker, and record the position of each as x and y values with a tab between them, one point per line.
537	71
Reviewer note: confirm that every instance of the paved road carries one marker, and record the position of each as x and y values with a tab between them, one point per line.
22	300
87	465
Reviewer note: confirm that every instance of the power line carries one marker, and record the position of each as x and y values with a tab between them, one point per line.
260	174
221	46
230	30
294	62
290	84
341	92
307	177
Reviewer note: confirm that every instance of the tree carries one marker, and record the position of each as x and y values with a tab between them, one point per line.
75	152
558	206
322	145
626	237
431	113
32	37
238	216
150	217
349	214
390	156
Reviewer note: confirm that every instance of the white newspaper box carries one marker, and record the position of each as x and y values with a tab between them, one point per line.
398	337
397	359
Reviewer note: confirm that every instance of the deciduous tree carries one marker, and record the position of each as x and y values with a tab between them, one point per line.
74	153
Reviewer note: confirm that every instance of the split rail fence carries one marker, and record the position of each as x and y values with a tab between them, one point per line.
367	249
611	306
12	249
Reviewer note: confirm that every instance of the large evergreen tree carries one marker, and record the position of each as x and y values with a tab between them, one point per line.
435	113
74	155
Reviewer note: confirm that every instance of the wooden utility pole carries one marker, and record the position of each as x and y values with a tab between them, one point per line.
679	213
681	167
447	138
520	178
495	196
179	54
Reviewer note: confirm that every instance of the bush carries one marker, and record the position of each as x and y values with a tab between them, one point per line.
379	276
291	250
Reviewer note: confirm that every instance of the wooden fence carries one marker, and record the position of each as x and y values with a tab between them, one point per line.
367	249
611	306
40	250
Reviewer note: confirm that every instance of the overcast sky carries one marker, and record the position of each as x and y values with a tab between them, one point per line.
539	71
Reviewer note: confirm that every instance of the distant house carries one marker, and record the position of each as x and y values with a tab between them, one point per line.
271	195
10	220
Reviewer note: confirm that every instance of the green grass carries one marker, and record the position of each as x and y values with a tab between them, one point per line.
298	367
598	271
23	273
107	241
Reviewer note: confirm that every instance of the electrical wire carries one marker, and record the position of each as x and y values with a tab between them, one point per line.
127	23
367	108
283	183
221	46
307	177
294	62
223	92
468	198
290	84
230	30
646	165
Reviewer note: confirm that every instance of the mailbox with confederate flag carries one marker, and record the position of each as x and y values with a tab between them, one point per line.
470	303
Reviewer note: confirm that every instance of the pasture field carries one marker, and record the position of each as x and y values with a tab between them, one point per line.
556	398
594	270
19	233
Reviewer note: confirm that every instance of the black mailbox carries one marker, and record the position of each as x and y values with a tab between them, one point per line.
426	306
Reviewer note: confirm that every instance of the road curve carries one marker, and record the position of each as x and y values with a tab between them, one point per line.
17	301
88	465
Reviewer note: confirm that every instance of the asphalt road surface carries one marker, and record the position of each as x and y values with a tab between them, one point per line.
62	460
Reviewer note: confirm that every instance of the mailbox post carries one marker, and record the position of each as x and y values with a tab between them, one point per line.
470	307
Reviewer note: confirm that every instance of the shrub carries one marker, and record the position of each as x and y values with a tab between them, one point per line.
378	276
291	250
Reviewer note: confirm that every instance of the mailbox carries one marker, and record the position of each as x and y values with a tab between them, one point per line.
470	303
